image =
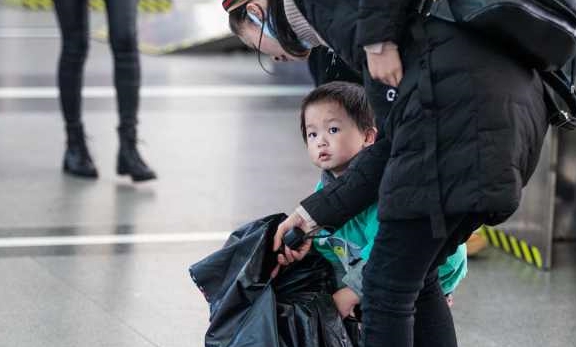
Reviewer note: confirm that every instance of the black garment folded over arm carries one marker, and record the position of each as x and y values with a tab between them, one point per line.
381	20
352	192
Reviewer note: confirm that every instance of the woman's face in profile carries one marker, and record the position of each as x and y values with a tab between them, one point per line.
250	35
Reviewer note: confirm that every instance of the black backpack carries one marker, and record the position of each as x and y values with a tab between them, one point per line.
541	33
544	30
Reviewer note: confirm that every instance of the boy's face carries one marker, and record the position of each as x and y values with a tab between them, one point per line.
332	137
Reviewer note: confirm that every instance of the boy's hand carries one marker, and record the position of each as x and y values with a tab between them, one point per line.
345	300
386	65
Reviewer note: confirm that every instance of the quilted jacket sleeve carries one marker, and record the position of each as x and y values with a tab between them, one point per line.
352	192
381	20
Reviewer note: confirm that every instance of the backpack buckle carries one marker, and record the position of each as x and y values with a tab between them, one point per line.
424	7
563	119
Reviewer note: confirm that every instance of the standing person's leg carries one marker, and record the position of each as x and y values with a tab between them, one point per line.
122	16
72	16
401	285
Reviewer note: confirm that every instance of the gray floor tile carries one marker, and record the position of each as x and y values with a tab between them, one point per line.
222	162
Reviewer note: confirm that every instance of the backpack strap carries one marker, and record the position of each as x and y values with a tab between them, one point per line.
431	119
423	7
560	97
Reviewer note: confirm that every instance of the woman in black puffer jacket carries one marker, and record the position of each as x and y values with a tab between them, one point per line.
462	139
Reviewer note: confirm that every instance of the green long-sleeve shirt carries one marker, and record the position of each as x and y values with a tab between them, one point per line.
348	249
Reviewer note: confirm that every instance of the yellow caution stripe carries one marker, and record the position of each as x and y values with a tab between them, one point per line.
149	6
512	245
33	5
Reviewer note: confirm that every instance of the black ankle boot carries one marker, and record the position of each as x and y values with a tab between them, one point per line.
129	160
77	160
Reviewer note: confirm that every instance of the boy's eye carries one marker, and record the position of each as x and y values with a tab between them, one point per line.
311	135
333	130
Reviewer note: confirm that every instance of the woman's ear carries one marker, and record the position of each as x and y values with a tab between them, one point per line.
255	9
370	136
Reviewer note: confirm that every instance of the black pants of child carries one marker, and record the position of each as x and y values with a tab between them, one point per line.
403	303
74	26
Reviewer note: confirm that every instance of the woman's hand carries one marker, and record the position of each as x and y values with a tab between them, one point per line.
345	300
290	255
386	65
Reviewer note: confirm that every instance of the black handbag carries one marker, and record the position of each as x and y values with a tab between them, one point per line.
542	32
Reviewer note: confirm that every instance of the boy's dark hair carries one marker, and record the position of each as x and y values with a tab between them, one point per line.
350	96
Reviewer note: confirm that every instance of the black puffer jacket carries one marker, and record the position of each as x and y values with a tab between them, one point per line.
464	135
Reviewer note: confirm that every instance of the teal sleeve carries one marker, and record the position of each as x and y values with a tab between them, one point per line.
324	250
340	274
450	273
353	278
453	270
371	229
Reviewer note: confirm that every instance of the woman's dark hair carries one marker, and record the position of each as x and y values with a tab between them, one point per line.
286	36
350	96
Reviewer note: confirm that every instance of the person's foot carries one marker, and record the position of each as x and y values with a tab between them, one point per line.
77	162
131	163
475	244
77	159
129	160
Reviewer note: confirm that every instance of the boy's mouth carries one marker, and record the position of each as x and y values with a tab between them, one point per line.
323	156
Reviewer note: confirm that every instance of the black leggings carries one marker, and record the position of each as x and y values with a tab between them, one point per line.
73	19
403	305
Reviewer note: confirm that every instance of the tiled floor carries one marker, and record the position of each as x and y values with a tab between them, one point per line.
223	159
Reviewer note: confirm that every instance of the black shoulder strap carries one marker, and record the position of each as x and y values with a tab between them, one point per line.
424	6
560	98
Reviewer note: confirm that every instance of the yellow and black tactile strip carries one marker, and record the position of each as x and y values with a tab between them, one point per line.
33	5
149	6
513	246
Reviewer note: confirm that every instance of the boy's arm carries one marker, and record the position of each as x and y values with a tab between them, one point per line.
453	270
339	271
353	278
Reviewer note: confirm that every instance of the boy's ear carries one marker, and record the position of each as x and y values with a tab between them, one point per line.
370	136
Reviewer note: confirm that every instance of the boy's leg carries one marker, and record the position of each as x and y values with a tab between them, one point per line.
398	281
